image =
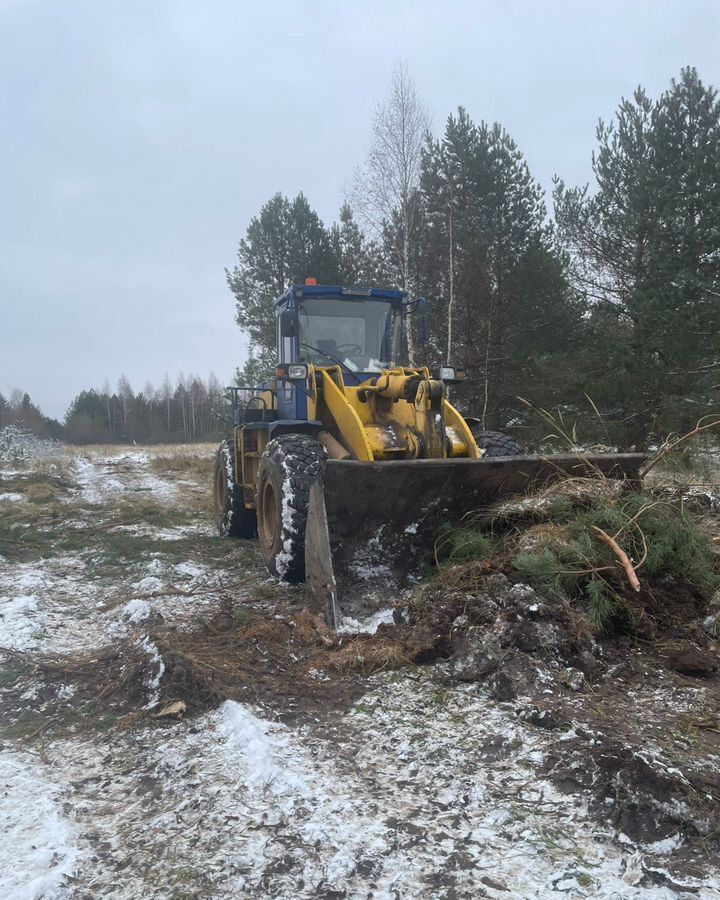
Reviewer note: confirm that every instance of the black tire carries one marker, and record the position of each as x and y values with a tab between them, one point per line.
288	468
232	517
495	443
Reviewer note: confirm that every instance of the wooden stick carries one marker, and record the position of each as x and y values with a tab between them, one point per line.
621	555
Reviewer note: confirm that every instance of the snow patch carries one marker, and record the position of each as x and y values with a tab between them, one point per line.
148	584
153	683
263	746
366	563
136	610
18	621
285	556
37	850
667	845
66	691
97	475
190	570
95	486
370	625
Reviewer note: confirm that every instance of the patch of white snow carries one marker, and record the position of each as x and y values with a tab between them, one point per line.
370	625
136	610
37	850
18	621
154	682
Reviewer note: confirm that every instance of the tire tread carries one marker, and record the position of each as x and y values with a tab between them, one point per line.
238	521
496	444
302	459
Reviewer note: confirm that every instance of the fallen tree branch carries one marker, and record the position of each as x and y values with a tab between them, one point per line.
621	555
669	447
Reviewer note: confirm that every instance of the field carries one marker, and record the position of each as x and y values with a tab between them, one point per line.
176	724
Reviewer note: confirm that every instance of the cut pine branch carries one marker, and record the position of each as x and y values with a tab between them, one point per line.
671	445
621	555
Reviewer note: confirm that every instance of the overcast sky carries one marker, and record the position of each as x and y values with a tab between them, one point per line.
140	136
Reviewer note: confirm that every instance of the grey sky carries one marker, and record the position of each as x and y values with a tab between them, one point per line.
139	137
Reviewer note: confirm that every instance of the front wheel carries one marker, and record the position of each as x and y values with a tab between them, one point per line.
289	467
495	443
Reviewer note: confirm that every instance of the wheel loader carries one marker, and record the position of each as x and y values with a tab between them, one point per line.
347	462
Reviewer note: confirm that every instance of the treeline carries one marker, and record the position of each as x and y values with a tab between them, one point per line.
604	310
19	410
181	412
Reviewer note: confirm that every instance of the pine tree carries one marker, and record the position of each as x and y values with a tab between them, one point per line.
85	420
646	254
285	244
359	260
504	306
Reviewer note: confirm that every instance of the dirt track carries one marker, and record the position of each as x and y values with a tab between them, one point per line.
399	784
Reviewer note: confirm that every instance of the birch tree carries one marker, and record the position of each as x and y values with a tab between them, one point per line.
385	189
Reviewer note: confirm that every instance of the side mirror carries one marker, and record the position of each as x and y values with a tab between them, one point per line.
287	323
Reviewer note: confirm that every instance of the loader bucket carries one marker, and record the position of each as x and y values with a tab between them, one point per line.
370	522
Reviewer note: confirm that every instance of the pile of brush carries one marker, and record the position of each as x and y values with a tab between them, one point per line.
624	558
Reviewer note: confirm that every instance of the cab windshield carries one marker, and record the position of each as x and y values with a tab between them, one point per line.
361	335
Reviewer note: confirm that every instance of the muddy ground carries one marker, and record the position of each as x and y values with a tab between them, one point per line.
176	724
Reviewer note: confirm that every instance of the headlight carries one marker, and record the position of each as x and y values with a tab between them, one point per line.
297	373
449	374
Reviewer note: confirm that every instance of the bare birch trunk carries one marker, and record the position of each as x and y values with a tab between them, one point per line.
384	189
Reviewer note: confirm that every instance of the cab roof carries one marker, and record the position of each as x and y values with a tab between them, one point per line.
336	290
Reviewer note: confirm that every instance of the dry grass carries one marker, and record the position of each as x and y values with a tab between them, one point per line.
57	464
169	450
38	489
236	655
200	467
367	654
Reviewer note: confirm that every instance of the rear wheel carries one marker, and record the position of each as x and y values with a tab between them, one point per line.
288	468
232	517
495	443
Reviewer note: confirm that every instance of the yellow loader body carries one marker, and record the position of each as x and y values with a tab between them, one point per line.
400	414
